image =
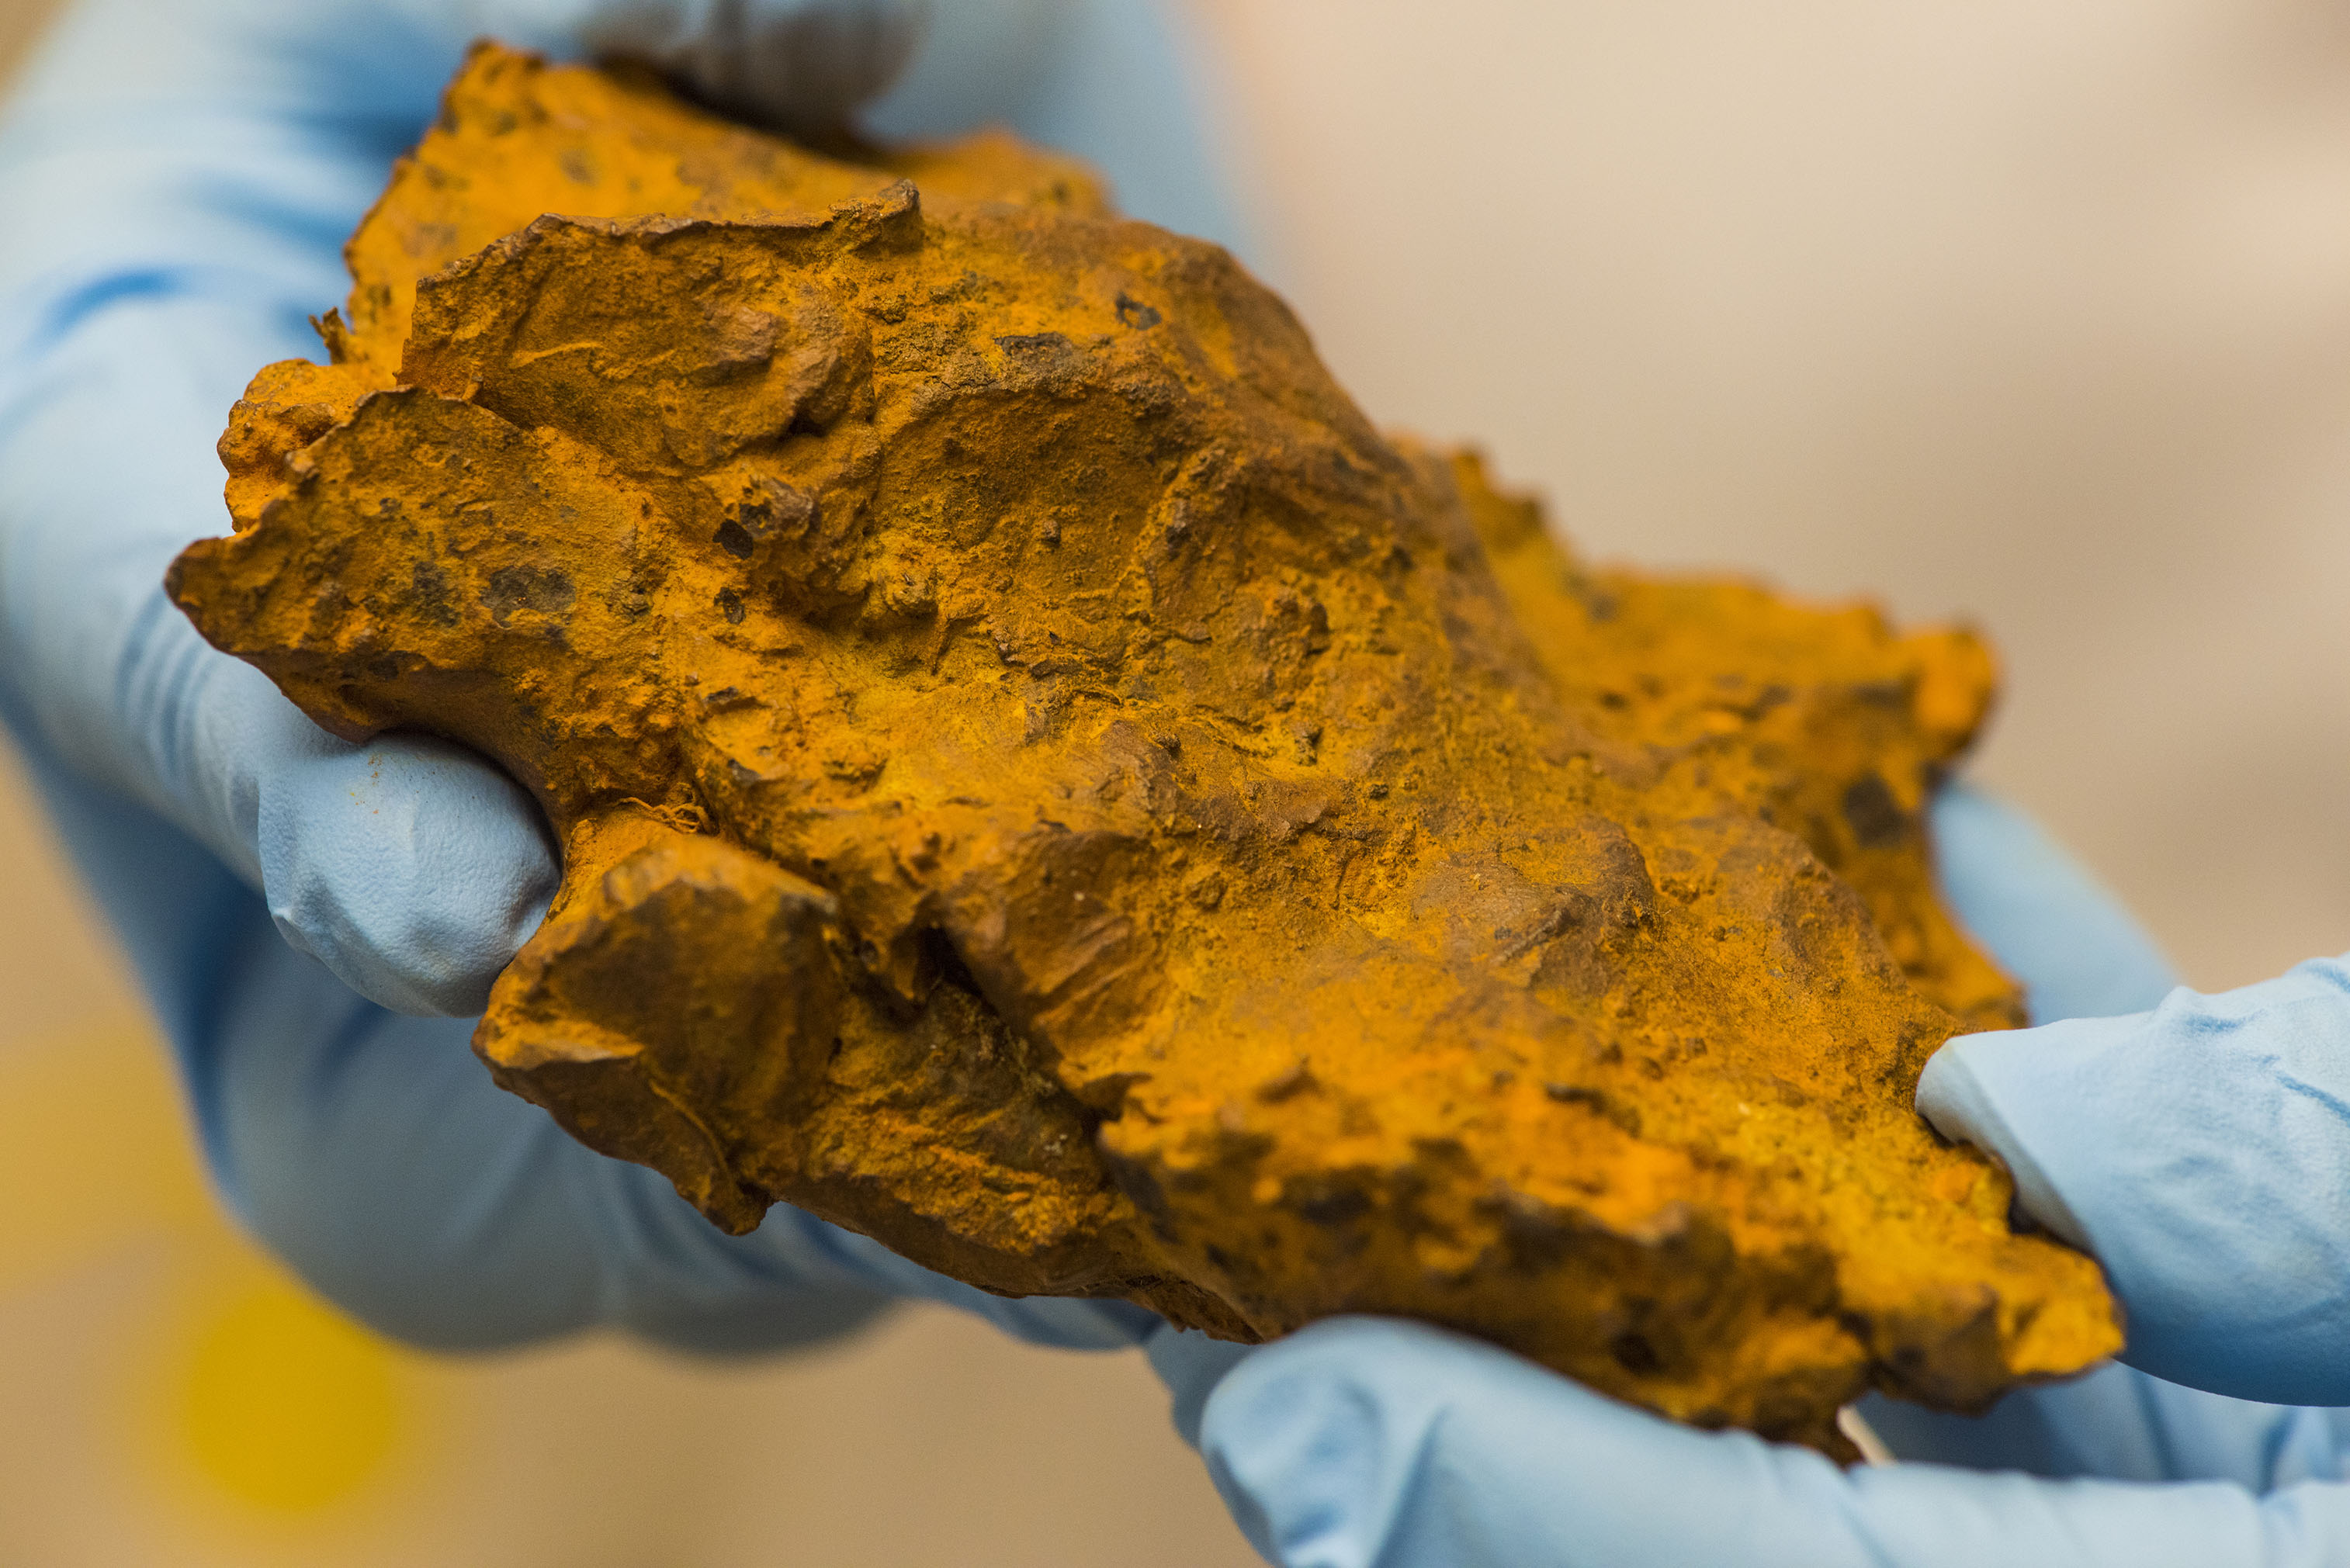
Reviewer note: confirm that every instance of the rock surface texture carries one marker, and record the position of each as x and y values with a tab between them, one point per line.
1045	782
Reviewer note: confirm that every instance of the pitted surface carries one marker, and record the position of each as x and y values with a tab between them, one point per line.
1044	781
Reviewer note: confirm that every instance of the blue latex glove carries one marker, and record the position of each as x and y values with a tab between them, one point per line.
179	176
2199	1149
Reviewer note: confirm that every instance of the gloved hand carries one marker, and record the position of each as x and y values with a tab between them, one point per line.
178	177
2199	1150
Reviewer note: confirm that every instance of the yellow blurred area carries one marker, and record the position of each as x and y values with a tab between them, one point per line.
241	1383
179	1380
280	1406
231	1383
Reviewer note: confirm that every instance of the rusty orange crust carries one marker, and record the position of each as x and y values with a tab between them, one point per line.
1046	783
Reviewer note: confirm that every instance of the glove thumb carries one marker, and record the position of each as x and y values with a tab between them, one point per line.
2201	1153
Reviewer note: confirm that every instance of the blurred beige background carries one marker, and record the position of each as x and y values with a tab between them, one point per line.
2038	315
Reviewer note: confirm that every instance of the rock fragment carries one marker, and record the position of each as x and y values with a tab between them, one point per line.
1046	783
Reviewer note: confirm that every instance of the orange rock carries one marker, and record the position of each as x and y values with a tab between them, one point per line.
1046	783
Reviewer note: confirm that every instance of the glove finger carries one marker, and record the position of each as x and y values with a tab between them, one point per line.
375	1156
372	1152
409	866
1361	1442
2201	1153
2045	918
